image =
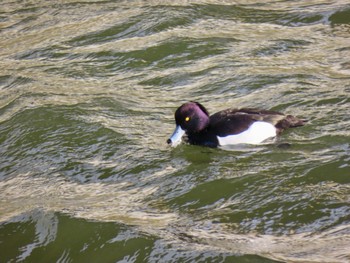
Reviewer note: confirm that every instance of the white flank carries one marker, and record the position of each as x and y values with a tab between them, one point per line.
258	132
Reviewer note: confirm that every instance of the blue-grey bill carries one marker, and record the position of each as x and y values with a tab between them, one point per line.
176	137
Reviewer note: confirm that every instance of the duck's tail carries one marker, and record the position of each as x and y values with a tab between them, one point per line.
290	121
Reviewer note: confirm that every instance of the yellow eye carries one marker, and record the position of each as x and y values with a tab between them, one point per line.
187	118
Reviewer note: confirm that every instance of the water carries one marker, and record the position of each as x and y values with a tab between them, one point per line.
87	96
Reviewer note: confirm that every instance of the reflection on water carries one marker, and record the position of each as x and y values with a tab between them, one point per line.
88	91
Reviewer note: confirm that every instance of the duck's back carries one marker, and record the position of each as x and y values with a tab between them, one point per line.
236	121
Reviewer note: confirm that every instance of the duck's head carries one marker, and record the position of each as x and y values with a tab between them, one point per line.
190	118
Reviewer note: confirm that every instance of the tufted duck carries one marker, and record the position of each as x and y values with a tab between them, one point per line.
228	127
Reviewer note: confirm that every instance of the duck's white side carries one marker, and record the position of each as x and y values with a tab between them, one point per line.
257	133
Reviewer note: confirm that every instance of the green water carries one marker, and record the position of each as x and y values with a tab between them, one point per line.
88	90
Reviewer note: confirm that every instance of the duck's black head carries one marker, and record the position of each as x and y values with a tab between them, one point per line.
190	118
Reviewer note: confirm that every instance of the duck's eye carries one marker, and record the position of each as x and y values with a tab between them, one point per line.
187	118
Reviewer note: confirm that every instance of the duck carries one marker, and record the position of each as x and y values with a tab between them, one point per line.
232	126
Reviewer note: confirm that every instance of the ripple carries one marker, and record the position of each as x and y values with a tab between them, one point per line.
88	92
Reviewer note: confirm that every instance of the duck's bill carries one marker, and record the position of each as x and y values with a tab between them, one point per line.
176	137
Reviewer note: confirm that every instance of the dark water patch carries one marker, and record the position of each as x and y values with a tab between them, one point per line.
54	137
289	218
303	19
230	12
333	15
248	14
343	49
340	100
232	86
340	17
243	84
176	52
77	239
281	204
110	34
10	81
22	23
51	53
173	53
183	51
205	194
154	20
76	146
115	166
14	238
281	46
27	17
62	237
333	172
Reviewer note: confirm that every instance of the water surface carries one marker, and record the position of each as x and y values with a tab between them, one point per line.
87	96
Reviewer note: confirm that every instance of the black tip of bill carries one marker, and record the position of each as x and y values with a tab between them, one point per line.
176	137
